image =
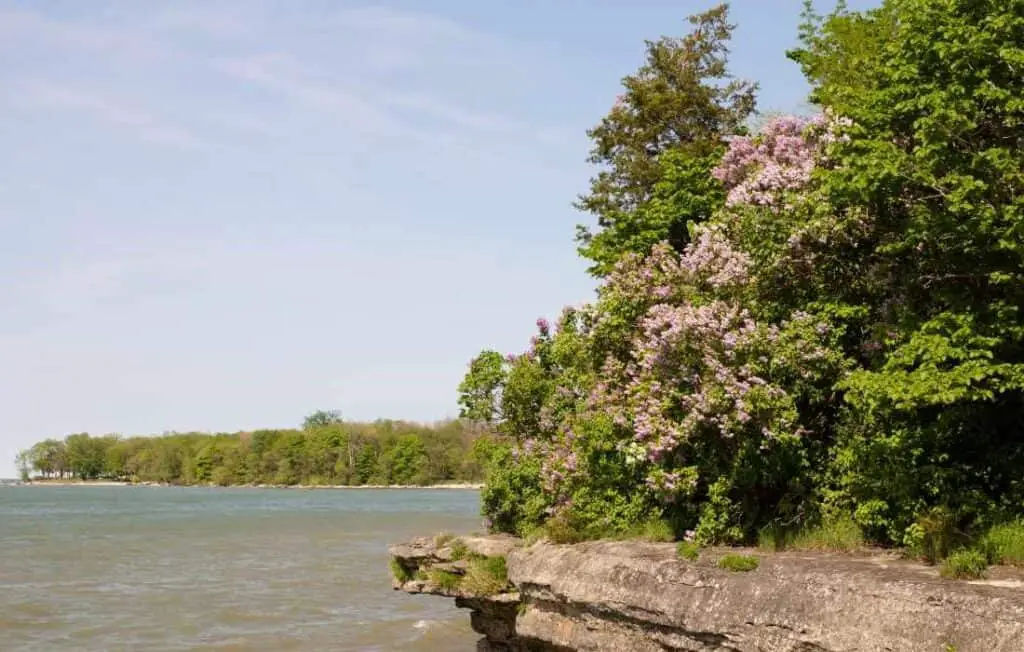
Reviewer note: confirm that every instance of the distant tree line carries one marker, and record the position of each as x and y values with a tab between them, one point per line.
325	451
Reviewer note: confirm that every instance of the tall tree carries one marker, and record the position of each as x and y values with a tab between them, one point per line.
660	141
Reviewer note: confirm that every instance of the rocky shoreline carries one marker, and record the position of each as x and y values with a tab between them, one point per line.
631	595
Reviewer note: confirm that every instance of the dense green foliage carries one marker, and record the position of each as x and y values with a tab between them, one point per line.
327	451
819	323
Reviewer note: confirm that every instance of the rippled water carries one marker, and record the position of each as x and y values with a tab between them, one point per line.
148	568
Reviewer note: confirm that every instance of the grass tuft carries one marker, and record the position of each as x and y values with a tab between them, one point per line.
688	550
655	530
443	539
459	550
841	535
838	535
400	572
739	563
1004	544
965	564
486	576
445	580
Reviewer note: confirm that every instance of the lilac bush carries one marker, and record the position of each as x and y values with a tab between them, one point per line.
672	370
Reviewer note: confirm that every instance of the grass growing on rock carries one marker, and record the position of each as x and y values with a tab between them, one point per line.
459	549
687	550
739	563
400	572
442	539
654	530
486	576
564	530
838	535
965	564
445	580
1004	544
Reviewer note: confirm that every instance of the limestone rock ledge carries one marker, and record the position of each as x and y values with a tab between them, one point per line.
630	595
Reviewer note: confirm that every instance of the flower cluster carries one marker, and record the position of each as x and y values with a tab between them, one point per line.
759	170
671	355
699	366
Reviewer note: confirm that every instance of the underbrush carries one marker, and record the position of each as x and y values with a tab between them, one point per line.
836	535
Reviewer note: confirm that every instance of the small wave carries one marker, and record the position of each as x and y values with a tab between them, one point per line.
424	625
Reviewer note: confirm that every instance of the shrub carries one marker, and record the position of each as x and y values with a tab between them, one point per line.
739	563
688	550
564	528
935	536
965	564
486	576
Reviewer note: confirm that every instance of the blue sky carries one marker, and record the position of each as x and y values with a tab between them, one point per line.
225	214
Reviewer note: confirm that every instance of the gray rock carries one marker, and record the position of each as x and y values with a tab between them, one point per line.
627	596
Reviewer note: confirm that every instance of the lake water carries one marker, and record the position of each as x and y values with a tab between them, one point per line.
159	568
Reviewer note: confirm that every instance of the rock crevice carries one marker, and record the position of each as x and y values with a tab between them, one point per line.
630	595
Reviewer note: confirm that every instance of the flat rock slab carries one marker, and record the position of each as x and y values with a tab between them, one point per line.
632	595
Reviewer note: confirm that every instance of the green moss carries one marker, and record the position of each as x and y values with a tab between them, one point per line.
1004	544
486	576
965	564
739	563
445	580
400	572
688	550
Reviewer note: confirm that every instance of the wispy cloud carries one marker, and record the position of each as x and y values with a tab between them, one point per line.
369	70
284	74
21	28
139	121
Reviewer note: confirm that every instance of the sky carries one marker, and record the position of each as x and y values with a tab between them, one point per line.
218	215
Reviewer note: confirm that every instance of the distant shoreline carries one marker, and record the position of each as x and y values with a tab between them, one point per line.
115	483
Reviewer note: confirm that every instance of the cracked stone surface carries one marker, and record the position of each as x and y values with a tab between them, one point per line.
631	595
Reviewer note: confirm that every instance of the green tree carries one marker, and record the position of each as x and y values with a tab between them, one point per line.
23	462
408	461
86	456
932	165
322	419
336	453
49	457
480	390
660	141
